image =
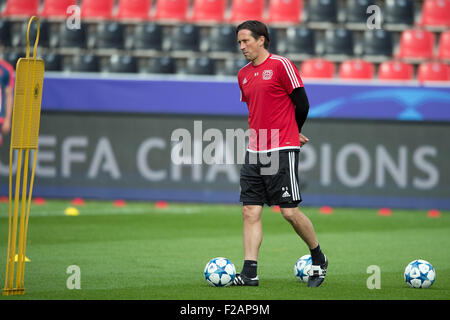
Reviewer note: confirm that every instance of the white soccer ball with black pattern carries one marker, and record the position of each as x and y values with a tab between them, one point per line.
219	272
419	274
302	267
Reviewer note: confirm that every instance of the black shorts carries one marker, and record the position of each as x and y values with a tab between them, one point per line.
260	184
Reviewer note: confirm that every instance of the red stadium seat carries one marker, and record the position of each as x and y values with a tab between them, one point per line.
416	43
317	68
433	71
356	69
242	10
436	13
285	11
56	8
171	9
97	9
209	10
395	70
21	8
444	46
134	9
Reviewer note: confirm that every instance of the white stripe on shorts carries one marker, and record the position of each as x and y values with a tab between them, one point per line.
294	184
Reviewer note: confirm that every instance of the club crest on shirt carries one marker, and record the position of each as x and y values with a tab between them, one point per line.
245	81
267	74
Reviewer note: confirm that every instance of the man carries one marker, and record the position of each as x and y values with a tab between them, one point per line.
278	106
6	98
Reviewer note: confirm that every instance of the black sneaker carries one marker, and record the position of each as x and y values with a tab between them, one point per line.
317	274
242	280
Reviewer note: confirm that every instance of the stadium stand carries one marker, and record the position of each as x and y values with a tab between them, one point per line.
232	66
300	41
109	35
322	14
56	8
53	62
5	32
72	38
21	8
122	64
444	46
148	36
136	10
317	68
416	44
285	11
436	14
222	39
356	69
19	37
377	45
208	11
395	70
161	65
185	37
338	44
171	10
85	63
97	9
328	31
201	66
398	14
242	10
433	71
356	14
273	35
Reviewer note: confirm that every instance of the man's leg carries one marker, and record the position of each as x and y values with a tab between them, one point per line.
252	231
302	225
304	228
252	238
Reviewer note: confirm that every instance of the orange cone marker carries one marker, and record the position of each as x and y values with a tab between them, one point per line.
161	205
119	203
434	213
39	201
276	209
385	212
78	202
326	210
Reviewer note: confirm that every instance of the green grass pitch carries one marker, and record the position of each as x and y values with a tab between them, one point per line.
141	252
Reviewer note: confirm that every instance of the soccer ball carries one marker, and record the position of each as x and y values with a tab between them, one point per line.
302	267
219	272
419	274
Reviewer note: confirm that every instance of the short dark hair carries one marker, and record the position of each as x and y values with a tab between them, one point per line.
257	29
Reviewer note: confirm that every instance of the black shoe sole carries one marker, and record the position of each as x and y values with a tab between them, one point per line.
316	282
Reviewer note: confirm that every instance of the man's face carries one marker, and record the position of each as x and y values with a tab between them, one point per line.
250	47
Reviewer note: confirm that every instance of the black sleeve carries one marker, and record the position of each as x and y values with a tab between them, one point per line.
300	100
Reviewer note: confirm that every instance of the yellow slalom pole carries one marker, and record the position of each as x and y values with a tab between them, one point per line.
8	258
13	234
28	215
20	255
23	207
24	137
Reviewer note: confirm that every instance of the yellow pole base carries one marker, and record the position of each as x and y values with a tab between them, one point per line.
13	292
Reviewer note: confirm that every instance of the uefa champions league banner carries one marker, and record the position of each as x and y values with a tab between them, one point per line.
209	96
136	156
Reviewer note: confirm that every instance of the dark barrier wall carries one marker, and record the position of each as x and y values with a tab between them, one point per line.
112	138
347	162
